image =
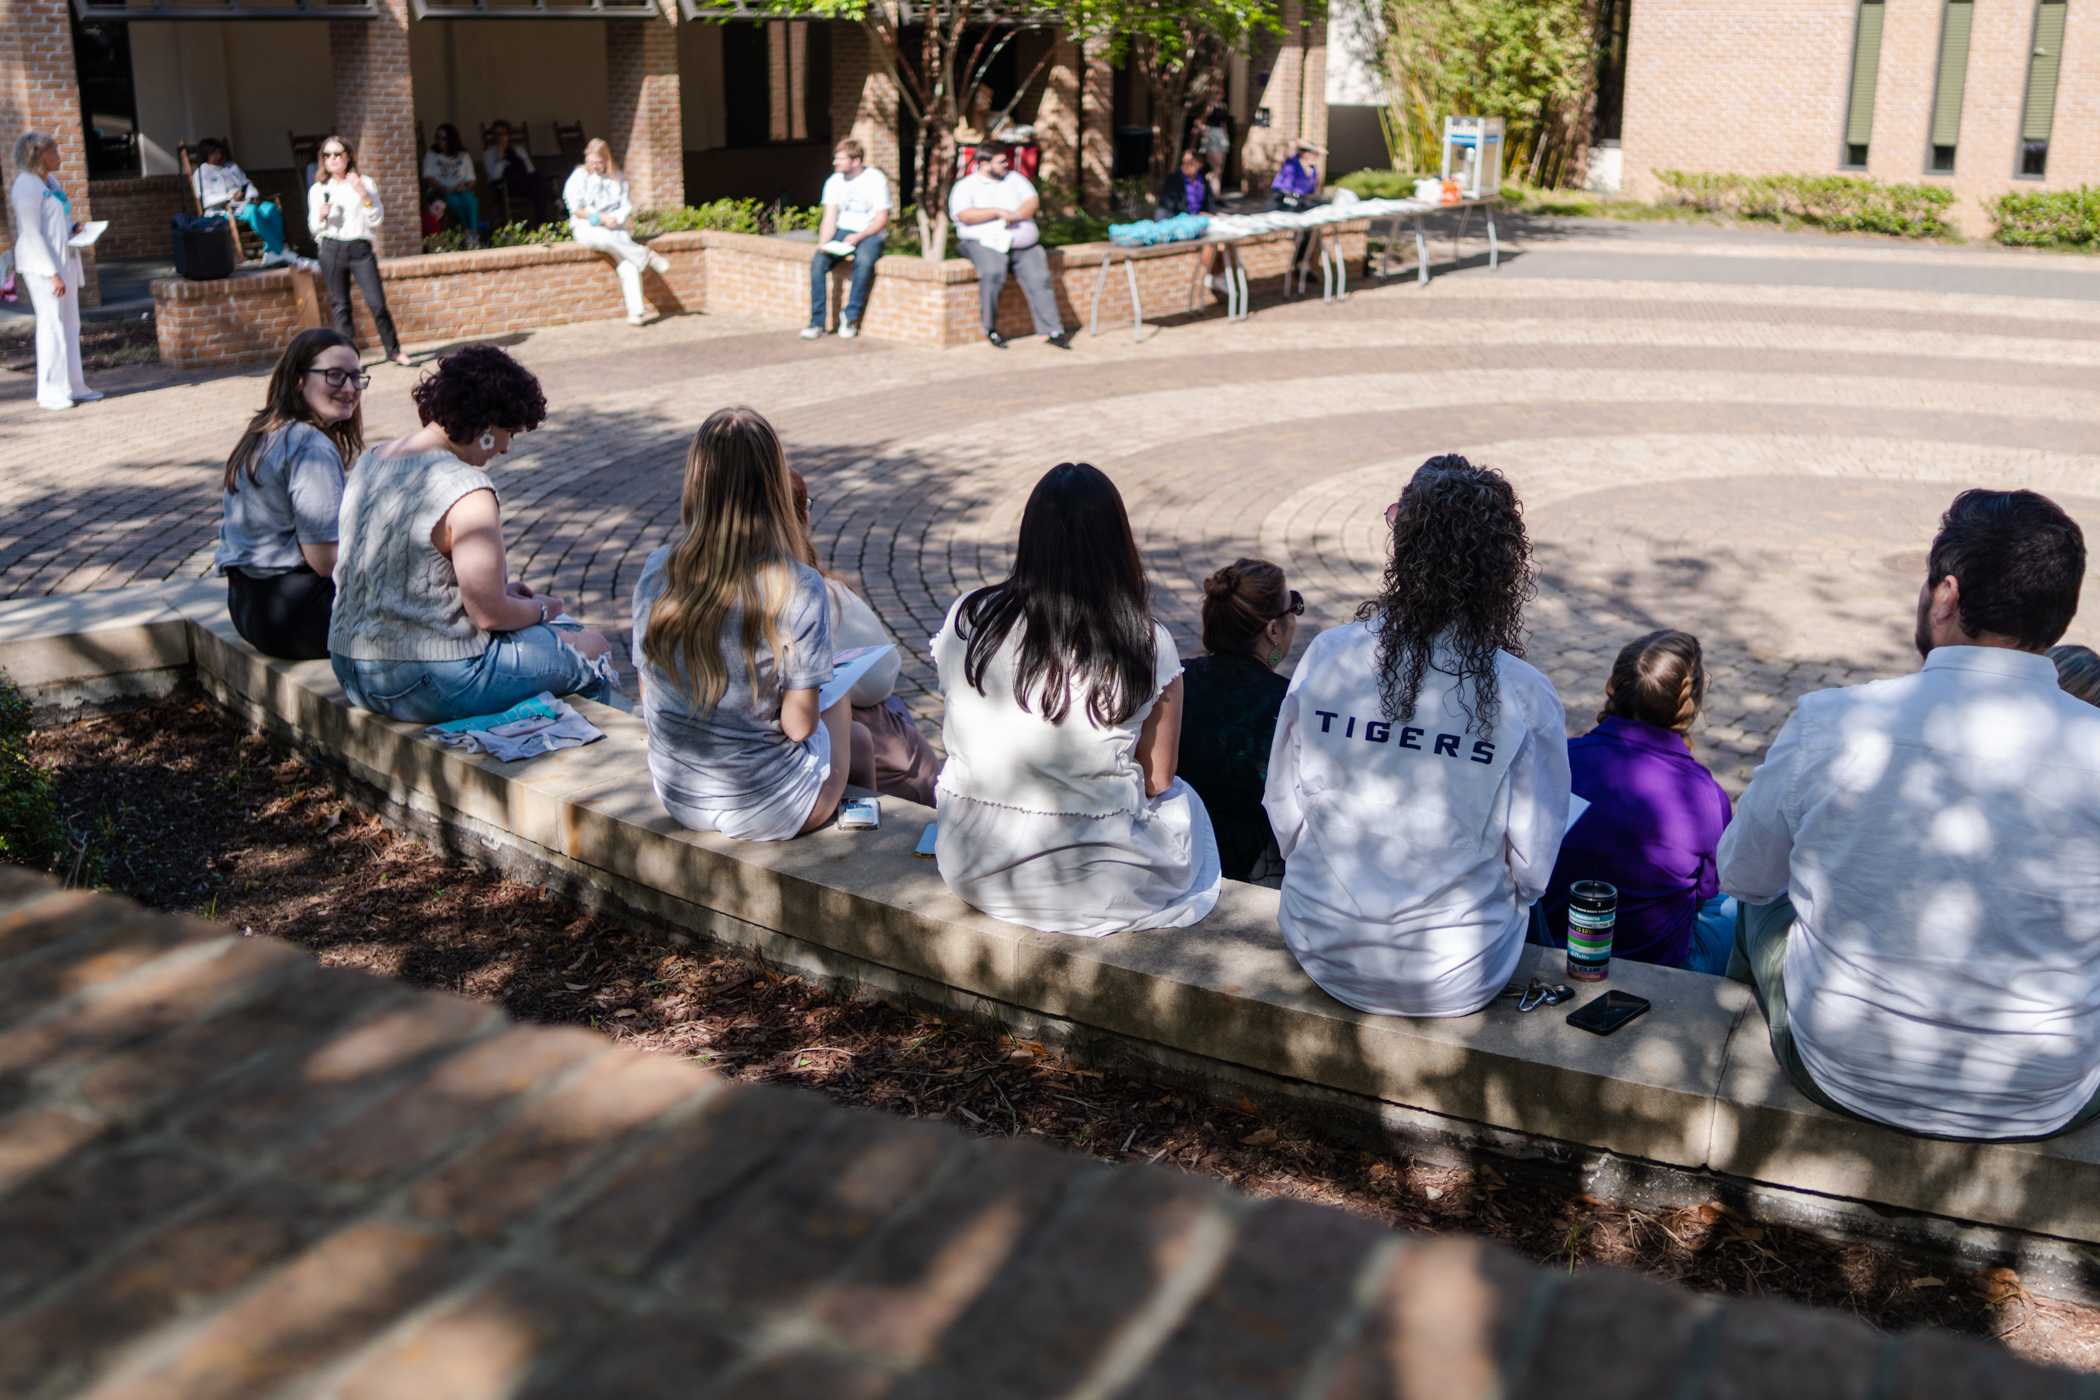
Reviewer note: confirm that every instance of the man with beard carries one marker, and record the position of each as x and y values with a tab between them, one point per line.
1919	858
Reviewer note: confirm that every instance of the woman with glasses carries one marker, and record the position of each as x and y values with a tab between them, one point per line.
283	490
1418	786
1229	709
1059	804
50	268
342	209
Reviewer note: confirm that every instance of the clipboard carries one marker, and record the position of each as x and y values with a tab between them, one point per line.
89	232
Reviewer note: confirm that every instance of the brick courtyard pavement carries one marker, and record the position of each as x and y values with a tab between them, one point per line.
1746	435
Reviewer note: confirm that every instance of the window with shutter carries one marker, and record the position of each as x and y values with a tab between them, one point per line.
1955	25
1866	71
2043	68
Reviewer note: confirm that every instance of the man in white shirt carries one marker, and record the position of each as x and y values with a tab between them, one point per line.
856	203
1923	857
1418	781
994	212
224	188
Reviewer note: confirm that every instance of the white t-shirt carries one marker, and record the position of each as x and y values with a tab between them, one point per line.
1412	852
981	191
1939	837
219	185
859	199
449	171
1000	754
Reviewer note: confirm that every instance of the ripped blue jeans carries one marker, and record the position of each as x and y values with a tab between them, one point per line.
517	666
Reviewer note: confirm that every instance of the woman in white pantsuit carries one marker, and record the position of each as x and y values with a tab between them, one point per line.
600	214
50	269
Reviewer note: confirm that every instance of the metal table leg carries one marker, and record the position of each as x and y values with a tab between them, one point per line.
1137	309
1465	216
1494	244
1239	279
1093	324
1421	252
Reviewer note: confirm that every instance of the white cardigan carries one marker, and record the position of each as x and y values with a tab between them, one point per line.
42	226
604	195
357	221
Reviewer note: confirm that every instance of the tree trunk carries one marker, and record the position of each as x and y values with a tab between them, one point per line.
933	179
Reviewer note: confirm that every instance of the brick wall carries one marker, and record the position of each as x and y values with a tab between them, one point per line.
1760	87
864	101
1296	96
138	212
647	125
453	296
46	97
375	109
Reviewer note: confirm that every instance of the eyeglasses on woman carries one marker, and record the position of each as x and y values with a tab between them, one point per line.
343	378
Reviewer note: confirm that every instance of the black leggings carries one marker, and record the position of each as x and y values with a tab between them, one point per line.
343	259
282	615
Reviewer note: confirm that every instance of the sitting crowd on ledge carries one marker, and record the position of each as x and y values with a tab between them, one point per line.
1910	884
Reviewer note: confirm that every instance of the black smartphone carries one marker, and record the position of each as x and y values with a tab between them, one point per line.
1608	1012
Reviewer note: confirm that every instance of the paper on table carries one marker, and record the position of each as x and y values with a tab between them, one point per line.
1576	807
847	668
89	232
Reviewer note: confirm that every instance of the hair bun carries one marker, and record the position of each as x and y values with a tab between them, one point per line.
1222	583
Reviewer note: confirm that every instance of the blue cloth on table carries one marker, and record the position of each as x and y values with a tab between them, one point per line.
1147	233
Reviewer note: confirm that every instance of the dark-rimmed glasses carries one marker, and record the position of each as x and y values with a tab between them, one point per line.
1294	608
344	378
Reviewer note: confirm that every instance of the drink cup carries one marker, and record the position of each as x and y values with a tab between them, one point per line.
1593	911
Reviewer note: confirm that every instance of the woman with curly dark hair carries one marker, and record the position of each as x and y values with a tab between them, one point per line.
428	624
1419	783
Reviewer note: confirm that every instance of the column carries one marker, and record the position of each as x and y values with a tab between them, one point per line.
41	92
1057	125
865	101
375	109
1097	129
648	125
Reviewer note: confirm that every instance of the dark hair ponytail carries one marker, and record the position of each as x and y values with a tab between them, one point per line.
1239	601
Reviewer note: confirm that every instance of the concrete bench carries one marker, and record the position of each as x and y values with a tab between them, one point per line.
1692	1087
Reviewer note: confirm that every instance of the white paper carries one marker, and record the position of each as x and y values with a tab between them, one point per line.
89	232
838	248
997	236
1576	807
846	670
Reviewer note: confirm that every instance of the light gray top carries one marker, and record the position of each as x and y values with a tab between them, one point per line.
731	769
396	597
293	500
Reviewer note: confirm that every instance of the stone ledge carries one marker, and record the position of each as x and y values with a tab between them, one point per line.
1693	1086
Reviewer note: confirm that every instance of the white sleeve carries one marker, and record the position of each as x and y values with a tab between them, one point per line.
376	215
433	166
1539	782
1280	798
572	189
1756	852
316	210
244	188
829	199
956	204
33	251
488	164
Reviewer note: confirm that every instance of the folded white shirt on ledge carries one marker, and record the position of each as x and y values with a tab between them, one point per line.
525	730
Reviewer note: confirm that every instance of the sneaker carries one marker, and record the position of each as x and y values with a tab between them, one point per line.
1062	340
659	263
848	330
638	319
56	407
998	341
88	396
812	332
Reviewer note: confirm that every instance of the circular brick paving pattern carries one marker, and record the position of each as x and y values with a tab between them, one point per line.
1725	436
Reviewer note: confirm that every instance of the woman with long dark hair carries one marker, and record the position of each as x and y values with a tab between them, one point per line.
342	213
1059	806
429	625
1419	783
282	493
732	640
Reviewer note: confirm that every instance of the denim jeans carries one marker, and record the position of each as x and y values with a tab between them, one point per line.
865	256
517	666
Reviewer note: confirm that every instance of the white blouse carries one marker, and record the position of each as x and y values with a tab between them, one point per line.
1001	754
1413	851
604	195
450	172
334	209
854	624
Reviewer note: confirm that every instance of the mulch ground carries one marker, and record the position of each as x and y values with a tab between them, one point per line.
184	810
104	344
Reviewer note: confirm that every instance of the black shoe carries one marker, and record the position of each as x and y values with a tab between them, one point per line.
998	340
1062	340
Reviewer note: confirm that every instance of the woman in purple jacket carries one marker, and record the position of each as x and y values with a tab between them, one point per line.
1655	816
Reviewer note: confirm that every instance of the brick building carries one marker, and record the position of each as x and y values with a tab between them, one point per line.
695	108
1981	96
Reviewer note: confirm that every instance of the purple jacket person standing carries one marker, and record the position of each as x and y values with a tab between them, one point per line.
1655	817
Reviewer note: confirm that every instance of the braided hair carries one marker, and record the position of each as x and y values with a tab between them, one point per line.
1659	679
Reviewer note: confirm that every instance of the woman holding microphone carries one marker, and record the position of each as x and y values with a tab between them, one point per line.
50	268
342	209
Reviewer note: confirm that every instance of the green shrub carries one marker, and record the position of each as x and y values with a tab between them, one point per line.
786	218
445	240
1379	184
31	831
1838	203
2048	219
523	235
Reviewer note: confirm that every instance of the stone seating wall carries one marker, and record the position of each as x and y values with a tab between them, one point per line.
246	319
1690	1091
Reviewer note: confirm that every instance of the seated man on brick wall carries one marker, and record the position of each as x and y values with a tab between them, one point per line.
994	212
224	188
1919	858
856	203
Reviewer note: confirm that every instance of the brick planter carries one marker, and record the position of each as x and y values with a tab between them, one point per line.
455	296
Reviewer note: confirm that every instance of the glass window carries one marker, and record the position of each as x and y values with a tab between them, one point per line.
1866	71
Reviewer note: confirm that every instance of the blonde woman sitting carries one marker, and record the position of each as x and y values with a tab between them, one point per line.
601	216
732	641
